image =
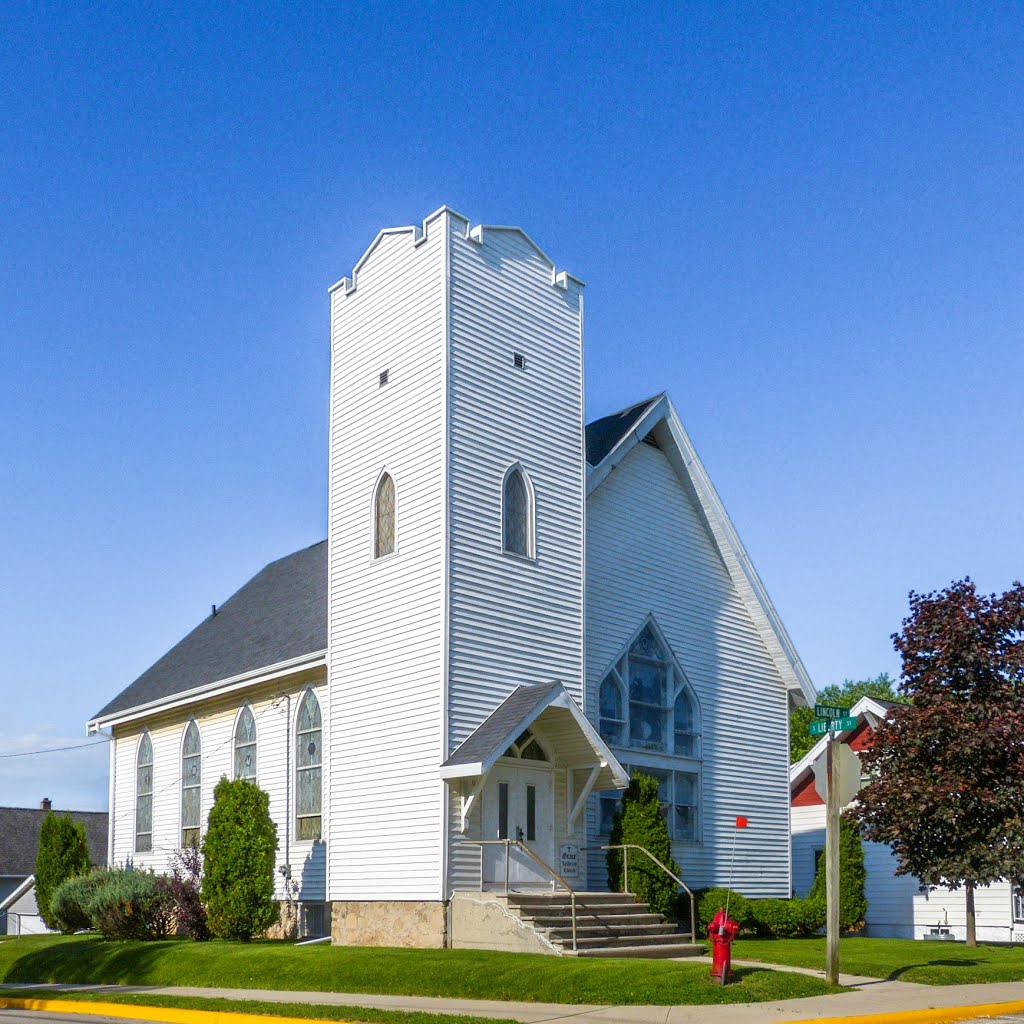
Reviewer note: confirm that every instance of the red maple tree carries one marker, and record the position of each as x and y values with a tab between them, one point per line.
947	770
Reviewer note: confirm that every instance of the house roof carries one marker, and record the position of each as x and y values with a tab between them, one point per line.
605	433
19	837
280	614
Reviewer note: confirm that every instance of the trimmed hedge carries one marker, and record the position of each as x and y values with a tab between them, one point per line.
708	902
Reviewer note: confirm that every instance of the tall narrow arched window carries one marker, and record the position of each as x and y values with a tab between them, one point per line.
613	716
686	735
191	782
384	517
245	744
144	795
517	513
308	761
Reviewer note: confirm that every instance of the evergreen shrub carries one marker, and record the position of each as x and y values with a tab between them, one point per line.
70	901
238	861
131	904
641	822
853	903
710	900
63	853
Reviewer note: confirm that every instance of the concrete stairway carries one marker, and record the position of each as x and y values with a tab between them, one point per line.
607	924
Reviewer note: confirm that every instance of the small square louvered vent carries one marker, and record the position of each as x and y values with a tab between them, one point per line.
519	360
383	378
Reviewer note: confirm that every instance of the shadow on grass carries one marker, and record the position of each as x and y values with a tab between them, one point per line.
87	962
900	971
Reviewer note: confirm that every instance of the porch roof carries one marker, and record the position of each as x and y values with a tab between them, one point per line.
577	742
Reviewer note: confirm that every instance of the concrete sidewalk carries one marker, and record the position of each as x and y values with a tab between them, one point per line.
870	996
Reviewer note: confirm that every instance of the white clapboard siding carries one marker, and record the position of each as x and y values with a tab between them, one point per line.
512	621
808	825
648	551
386	618
216	720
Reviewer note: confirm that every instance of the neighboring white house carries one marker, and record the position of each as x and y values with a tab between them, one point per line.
897	906
509	608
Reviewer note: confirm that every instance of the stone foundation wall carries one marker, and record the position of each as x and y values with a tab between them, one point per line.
417	923
287	926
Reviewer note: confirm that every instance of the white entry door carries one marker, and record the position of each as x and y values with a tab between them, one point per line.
519	804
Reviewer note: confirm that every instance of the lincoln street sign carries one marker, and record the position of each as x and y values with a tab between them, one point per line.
830	711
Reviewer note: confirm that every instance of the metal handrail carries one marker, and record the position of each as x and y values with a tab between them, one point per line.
507	843
626	847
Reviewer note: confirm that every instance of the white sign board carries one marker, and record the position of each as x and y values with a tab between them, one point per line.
849	773
569	858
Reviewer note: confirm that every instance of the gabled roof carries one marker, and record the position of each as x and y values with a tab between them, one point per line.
19	837
871	709
604	434
616	435
476	755
278	616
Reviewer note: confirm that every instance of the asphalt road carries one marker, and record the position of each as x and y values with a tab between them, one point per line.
41	1016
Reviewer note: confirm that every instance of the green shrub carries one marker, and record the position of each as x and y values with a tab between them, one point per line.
63	853
710	900
785	918
131	905
853	904
70	901
641	822
238	861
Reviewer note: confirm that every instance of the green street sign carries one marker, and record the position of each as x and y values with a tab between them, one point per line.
833	725
830	711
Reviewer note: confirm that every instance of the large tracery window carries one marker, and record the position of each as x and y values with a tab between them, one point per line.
308	761
245	745
645	704
191	783
144	795
384	517
517	514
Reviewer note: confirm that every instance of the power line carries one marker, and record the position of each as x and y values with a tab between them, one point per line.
55	750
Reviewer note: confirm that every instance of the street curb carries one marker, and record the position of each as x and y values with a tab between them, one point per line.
935	1015
167	1014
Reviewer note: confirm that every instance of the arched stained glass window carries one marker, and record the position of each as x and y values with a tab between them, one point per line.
308	762
517	514
245	744
384	517
527	748
685	725
191	783
144	795
613	719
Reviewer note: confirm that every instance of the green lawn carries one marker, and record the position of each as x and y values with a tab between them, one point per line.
467	974
932	963
314	1012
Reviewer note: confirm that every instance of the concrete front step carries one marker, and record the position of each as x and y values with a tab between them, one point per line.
617	930
683	948
609	920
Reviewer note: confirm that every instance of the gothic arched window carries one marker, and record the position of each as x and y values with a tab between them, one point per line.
308	762
144	795
245	744
191	783
384	517
517	513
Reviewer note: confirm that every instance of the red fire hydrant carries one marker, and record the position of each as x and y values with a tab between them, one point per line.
721	932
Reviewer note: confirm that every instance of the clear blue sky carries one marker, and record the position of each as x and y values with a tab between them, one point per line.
803	223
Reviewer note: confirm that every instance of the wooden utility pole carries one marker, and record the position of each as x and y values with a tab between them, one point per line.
832	864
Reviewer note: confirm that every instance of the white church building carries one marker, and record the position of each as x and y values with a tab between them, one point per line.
510	613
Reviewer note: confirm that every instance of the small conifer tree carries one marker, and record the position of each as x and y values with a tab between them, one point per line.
853	904
238	861
63	854
641	822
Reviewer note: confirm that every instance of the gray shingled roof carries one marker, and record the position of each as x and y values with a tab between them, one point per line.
280	614
604	434
19	837
494	730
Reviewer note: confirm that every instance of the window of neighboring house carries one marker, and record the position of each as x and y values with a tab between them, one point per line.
384	517
144	795
191	781
517	514
245	744
645	702
1018	904
308	761
678	793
